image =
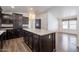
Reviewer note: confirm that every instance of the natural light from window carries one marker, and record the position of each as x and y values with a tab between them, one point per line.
69	24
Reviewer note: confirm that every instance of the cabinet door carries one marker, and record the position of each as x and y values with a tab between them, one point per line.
30	40
35	43
47	45
26	37
54	42
17	21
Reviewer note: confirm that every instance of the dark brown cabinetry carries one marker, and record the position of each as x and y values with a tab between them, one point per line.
0	16
37	43
25	37
17	21
7	19
30	39
46	43
25	20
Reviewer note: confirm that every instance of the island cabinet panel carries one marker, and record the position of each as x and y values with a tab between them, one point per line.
38	43
54	41
30	39
46	43
26	37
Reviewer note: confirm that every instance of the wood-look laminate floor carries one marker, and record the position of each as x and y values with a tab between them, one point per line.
66	45
18	45
15	45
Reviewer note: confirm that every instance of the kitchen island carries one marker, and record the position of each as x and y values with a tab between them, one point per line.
40	40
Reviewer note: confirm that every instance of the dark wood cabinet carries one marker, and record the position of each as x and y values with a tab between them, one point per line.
17	21
25	20
7	19
0	16
37	43
10	19
25	37
47	44
53	40
30	40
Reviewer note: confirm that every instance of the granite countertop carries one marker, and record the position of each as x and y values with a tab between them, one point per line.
2	31
40	32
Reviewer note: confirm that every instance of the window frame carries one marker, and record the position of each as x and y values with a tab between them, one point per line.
69	23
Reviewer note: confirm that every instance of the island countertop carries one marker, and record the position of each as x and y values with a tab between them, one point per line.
40	32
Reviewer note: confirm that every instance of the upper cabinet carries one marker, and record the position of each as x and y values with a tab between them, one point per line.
7	19
0	16
25	20
17	20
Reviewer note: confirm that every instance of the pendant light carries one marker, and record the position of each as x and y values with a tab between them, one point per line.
31	14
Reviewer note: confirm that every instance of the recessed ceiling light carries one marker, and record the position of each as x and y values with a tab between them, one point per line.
31	8
12	7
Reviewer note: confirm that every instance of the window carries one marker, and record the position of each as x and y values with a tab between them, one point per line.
69	24
65	24
72	24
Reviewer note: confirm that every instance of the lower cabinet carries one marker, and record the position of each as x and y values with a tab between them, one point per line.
30	40
36	43
54	41
46	44
39	43
9	34
26	37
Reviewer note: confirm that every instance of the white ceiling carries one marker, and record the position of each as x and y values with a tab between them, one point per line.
25	9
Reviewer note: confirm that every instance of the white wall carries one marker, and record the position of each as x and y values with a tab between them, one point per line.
44	21
54	18
48	21
52	22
